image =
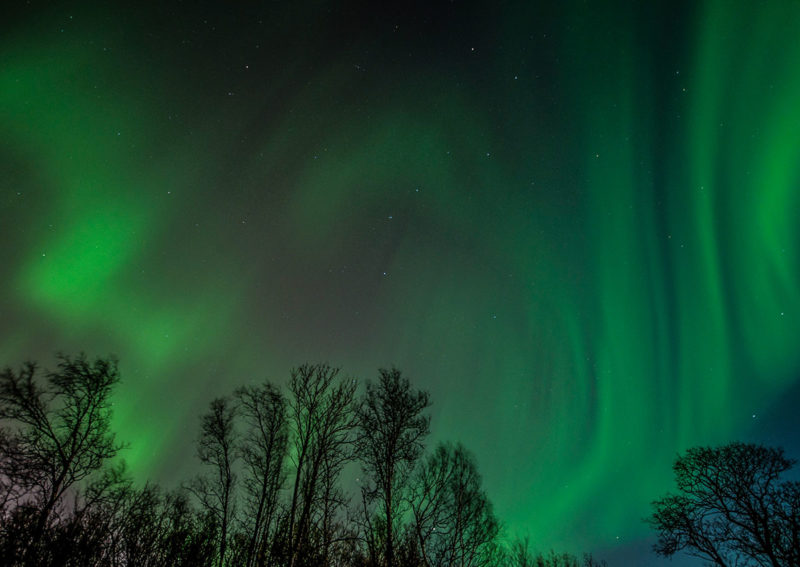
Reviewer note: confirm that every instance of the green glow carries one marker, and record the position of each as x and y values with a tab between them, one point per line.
581	238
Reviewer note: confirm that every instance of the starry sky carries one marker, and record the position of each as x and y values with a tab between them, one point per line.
574	223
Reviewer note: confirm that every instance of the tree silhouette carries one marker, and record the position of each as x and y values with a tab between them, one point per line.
453	519
151	528
216	448
732	508
392	428
65	500
263	448
56	433
519	554
321	415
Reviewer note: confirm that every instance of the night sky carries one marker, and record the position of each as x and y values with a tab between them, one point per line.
574	223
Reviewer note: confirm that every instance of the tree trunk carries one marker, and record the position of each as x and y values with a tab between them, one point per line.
257	527
389	542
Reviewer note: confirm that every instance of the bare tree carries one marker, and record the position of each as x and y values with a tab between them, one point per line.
392	428
321	415
519	554
732	508
55	435
334	534
453	519
151	528
216	448
263	448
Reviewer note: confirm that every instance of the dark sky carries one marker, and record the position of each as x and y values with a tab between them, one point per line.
574	223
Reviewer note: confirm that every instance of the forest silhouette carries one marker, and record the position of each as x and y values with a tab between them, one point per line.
269	490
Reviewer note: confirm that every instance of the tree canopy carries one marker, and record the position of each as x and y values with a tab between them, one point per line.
269	487
733	507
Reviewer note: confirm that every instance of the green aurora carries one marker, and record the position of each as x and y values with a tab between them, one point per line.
577	227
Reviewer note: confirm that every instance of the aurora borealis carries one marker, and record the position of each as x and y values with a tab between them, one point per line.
574	223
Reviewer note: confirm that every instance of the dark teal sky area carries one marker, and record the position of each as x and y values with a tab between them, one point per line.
574	223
